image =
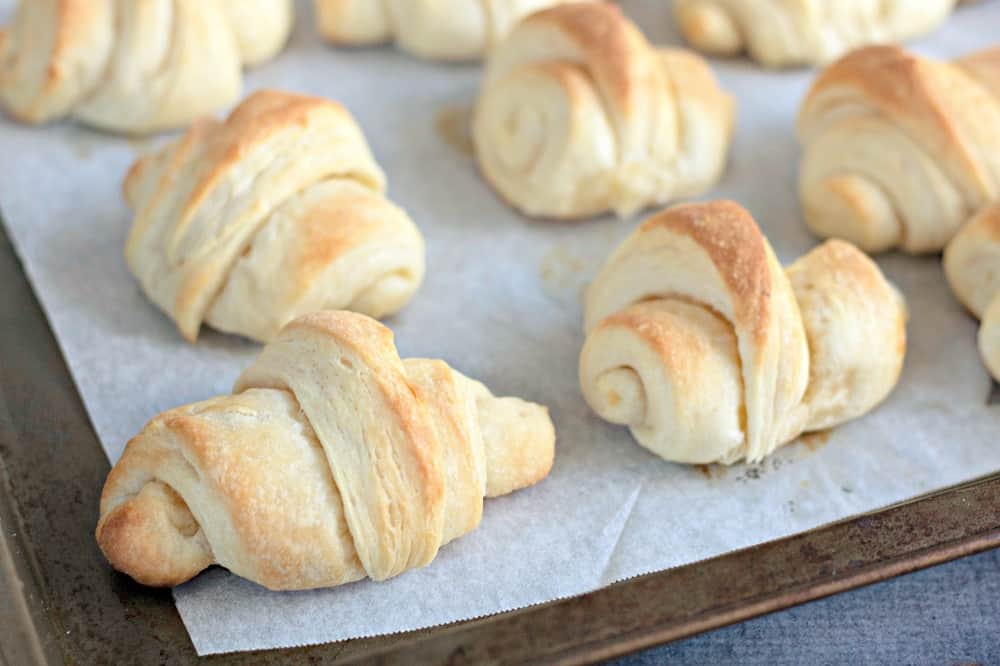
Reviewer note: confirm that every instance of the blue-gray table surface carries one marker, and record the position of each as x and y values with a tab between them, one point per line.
948	614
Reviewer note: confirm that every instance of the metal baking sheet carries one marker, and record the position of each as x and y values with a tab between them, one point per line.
517	286
61	603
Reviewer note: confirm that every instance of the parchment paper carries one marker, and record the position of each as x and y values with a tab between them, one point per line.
501	303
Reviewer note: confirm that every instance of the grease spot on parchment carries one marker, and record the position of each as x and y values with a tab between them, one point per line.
816	440
711	472
453	125
563	274
567	269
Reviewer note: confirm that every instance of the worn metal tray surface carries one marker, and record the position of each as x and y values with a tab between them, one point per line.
60	602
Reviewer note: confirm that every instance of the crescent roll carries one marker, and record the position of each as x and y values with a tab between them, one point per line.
431	29
278	211
579	115
972	265
134	66
333	460
709	351
779	33
261	27
899	150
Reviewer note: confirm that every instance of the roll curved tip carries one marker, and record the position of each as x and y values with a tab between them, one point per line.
154	538
620	397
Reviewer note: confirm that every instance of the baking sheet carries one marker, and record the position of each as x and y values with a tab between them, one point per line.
501	303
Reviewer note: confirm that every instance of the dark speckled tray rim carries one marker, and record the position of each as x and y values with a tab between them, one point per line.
61	603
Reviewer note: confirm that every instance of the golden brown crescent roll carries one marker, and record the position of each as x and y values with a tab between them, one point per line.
972	265
900	150
795	32
579	115
709	351
333	460
432	29
278	211
134	66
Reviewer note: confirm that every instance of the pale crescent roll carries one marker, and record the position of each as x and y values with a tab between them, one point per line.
333	460
578	115
972	265
134	66
709	351
432	29
779	33
261	27
899	150
278	211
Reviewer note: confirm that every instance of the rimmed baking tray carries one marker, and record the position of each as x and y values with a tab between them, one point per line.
61	603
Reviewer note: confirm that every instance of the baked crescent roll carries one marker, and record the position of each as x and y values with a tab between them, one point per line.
795	32
261	27
333	460
579	115
432	29
278	211
134	66
709	351
972	265
900	150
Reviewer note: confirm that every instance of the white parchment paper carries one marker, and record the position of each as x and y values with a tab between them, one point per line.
501	303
